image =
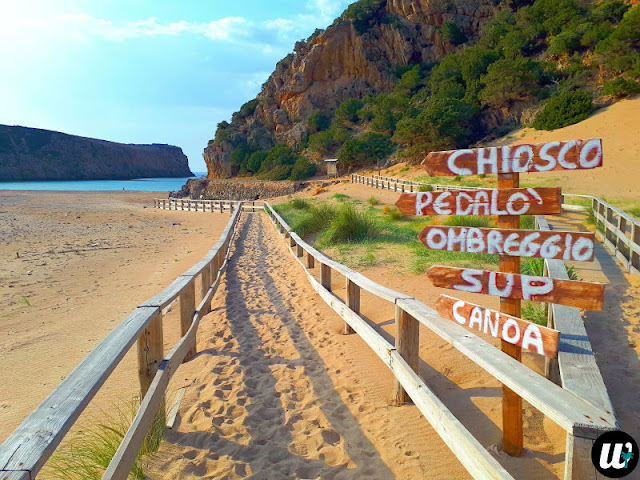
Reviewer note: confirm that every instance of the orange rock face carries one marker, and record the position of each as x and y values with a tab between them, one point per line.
344	61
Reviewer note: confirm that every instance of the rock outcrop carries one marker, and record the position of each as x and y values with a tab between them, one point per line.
351	58
207	189
34	154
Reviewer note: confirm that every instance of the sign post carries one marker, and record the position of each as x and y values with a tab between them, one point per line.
508	202
512	436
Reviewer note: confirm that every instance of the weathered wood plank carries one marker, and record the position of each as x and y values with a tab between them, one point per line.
169	294
540	157
560	405
150	352
353	302
469	452
509	285
578	246
187	309
173	413
408	347
33	442
536	338
507	201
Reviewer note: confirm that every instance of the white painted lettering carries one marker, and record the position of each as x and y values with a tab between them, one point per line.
491	327
475	319
550	159
494	242
460	199
436	239
473	284
475	241
582	249
459	318
508	325
451	162
594	146
566	148
550	248
532	339
493	284
423	199
519	165
481	202
535	286
524	206
490	161
441	206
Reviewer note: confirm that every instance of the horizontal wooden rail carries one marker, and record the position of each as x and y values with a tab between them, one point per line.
190	205
618	231
27	449
581	418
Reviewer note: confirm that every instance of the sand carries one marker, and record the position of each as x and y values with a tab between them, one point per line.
617	180
277	392
73	266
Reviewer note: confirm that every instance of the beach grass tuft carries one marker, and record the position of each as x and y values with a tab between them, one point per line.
89	452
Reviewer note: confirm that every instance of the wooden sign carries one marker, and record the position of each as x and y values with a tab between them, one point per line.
578	246
508	201
541	157
511	285
536	338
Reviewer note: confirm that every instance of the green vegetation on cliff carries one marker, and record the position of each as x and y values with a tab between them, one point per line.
545	62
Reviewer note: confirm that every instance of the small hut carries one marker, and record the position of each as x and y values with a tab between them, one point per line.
332	167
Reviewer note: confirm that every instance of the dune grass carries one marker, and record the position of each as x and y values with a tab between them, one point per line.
89	452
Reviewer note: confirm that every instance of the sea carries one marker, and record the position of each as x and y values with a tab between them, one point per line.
135	185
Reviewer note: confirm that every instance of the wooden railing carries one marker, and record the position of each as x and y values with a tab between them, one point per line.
189	205
582	418
617	230
403	186
25	452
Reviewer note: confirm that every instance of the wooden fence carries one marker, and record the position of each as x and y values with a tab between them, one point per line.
582	419
189	205
25	452
618	231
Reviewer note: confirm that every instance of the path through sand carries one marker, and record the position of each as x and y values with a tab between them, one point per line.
277	392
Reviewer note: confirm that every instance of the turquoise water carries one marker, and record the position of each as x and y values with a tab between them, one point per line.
139	184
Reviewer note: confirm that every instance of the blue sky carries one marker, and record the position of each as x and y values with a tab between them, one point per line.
144	71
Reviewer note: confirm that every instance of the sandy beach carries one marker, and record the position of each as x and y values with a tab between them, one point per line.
74	265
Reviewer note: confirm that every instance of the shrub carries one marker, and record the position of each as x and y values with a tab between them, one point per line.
300	203
318	122
327	141
341	197
452	33
365	150
528	222
621	87
533	266
565	108
351	225
303	168
347	112
510	80
425	188
373	201
534	312
468	221
317	219
394	213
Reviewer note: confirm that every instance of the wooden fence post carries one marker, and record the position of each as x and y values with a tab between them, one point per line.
292	242
187	310
353	302
310	261
408	346
325	276
150	352
635	237
205	283
512	435
299	251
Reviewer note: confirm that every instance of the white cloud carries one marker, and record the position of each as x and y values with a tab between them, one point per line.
229	28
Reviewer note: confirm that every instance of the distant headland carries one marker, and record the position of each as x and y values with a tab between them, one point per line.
35	154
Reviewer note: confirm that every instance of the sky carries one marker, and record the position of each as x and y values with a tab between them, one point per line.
144	71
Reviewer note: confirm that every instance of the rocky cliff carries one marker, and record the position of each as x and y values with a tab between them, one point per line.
356	56
34	154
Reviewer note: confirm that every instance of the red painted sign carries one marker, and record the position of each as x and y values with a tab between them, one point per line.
511	285
508	201
577	246
536	338
542	157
